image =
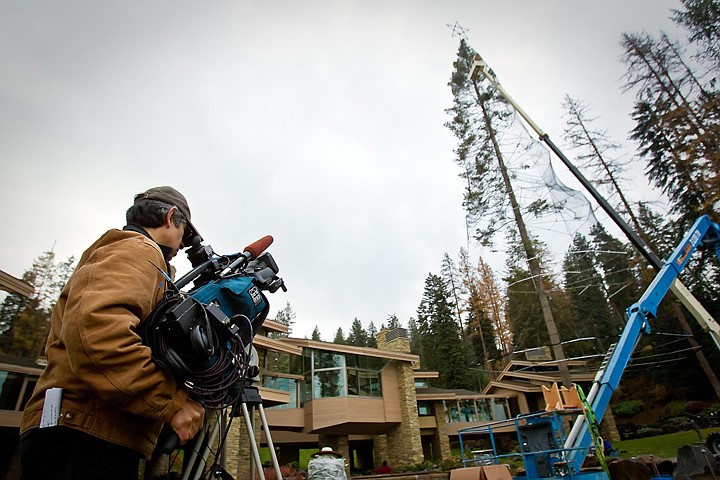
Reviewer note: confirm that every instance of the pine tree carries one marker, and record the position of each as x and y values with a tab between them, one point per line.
415	338
24	323
619	271
483	305
702	19
393	322
479	116
316	334
372	336
442	347
357	335
339	337
592	314
493	303
452	278
286	316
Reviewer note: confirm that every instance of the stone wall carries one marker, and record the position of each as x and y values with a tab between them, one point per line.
404	442
441	441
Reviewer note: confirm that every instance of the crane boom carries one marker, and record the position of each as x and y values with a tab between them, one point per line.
704	233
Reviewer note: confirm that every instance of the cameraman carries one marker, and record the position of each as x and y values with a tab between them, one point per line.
114	398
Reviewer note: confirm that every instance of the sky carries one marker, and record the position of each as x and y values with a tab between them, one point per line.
321	123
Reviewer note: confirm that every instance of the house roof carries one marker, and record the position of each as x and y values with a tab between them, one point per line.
528	376
15	285
366	351
421	373
274	326
434	393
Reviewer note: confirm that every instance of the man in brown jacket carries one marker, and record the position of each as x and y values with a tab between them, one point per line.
114	399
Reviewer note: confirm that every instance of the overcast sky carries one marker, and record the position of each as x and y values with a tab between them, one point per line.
318	122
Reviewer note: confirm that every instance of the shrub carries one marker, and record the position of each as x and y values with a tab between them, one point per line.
649	432
674	424
676	408
695	406
628	409
285	470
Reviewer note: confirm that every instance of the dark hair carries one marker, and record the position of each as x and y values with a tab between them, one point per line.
151	214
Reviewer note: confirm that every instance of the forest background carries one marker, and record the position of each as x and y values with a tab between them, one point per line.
470	321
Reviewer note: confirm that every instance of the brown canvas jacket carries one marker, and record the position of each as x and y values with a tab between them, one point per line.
111	387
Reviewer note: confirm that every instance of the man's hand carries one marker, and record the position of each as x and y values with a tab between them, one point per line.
188	420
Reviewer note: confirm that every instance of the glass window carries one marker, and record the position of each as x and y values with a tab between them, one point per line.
305	391
353	384
421	383
351	360
335	374
483	409
499	409
286	385
328	360
425	408
452	414
467	411
28	391
10	386
328	383
277	362
364	383
369	383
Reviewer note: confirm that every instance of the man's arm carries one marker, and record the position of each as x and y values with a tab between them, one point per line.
108	297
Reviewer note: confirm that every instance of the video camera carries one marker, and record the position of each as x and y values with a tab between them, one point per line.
203	337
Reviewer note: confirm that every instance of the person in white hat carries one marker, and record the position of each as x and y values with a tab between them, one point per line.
326	464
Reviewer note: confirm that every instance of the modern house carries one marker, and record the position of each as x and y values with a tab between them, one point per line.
370	404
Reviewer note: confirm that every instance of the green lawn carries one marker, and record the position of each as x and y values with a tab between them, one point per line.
664	446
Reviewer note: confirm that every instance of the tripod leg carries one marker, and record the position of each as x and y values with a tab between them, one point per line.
190	466
253	443
208	447
266	429
195	465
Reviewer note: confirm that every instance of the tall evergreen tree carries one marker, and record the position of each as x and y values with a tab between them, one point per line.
24	323
372	335
442	347
592	314
619	271
701	18
493	303
415	338
393	322
286	316
315	335
357	335
339	337
479	116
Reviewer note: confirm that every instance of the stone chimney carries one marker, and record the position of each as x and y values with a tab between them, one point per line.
395	340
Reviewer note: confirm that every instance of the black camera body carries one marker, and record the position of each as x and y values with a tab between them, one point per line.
204	337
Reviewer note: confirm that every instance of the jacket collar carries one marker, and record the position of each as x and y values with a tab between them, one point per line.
165	250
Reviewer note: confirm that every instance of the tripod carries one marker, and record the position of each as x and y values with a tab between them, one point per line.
248	401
